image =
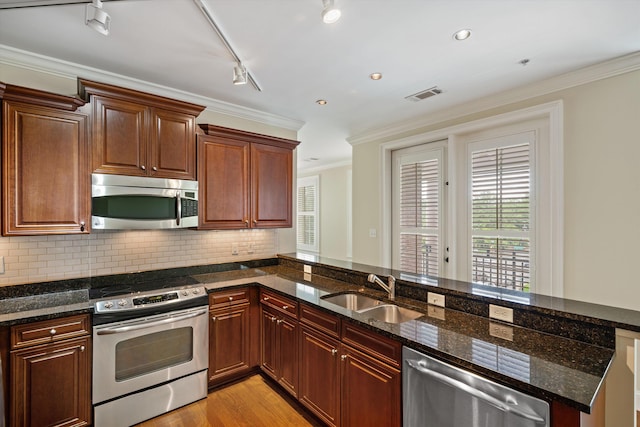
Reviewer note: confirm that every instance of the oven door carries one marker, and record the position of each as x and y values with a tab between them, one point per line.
135	354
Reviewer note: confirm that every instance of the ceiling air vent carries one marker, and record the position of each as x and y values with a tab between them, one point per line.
432	91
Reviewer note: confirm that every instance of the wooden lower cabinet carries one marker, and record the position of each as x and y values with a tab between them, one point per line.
279	343
344	385
371	391
50	384
320	375
229	343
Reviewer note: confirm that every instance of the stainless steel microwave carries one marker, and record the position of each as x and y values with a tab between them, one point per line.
130	202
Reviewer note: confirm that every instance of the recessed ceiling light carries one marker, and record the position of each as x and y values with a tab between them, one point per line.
330	13
321	102
462	35
375	76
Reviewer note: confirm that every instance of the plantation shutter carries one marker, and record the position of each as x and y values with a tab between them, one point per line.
501	215
418	207
307	224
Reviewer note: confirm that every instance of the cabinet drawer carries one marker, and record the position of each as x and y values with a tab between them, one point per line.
374	344
320	320
48	331
283	304
226	298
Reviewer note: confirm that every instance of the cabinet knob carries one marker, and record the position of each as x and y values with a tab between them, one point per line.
53	331
143	167
334	351
246	222
230	298
265	299
343	357
213	318
81	225
273	319
284	307
279	321
255	222
154	168
81	348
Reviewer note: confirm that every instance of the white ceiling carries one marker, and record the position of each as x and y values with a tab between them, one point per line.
297	59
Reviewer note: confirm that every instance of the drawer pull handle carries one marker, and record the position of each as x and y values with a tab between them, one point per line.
284	307
279	321
53	331
334	352
265	299
273	319
81	348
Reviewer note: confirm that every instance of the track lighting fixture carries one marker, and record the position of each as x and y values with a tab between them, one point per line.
97	18
239	75
330	13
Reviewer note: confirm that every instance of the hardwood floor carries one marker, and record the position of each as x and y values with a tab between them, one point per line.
251	402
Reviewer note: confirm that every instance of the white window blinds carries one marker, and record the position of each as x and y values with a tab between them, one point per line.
418	208
501	213
307	216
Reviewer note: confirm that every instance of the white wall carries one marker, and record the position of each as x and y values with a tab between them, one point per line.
334	204
602	189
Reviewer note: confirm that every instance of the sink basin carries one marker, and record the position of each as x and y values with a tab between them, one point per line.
390	313
353	301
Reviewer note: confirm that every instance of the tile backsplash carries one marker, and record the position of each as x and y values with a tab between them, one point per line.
46	258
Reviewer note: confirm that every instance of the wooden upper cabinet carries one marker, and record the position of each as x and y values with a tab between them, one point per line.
139	134
45	163
245	179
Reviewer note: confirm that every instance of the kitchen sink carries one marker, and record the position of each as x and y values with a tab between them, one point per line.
353	301
390	313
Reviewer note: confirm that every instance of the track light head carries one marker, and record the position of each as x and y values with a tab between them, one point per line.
97	18
239	75
330	13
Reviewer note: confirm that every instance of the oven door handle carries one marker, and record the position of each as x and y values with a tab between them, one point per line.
479	394
120	329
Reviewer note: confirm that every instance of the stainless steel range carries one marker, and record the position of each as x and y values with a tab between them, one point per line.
150	352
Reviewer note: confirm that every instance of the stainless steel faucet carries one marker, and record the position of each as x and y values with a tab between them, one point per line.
391	289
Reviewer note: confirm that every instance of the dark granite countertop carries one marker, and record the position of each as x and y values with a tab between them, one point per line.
541	364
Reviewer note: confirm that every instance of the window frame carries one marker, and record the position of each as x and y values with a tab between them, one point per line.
309	181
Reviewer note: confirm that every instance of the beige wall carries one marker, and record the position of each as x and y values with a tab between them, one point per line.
334	204
602	189
45	258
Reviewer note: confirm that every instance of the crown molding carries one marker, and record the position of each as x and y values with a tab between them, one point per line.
612	68
322	168
64	69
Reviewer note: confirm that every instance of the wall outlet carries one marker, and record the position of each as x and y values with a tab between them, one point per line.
307	269
373	232
234	249
435	299
2	264
501	313
436	312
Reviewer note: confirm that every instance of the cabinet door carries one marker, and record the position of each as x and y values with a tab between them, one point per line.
271	186
371	391
228	343
223	180
268	356
51	385
320	375
120	137
173	145
45	171
288	354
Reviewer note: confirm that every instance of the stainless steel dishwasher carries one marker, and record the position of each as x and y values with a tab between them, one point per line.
436	394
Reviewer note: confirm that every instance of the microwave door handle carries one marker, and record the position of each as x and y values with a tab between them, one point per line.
479	394
179	202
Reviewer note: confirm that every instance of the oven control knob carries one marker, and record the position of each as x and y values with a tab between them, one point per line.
196	291
122	302
108	304
185	293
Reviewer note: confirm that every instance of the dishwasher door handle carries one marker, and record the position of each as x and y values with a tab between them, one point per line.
474	392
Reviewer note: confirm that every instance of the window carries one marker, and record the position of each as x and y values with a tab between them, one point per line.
417	173
307	216
500	218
